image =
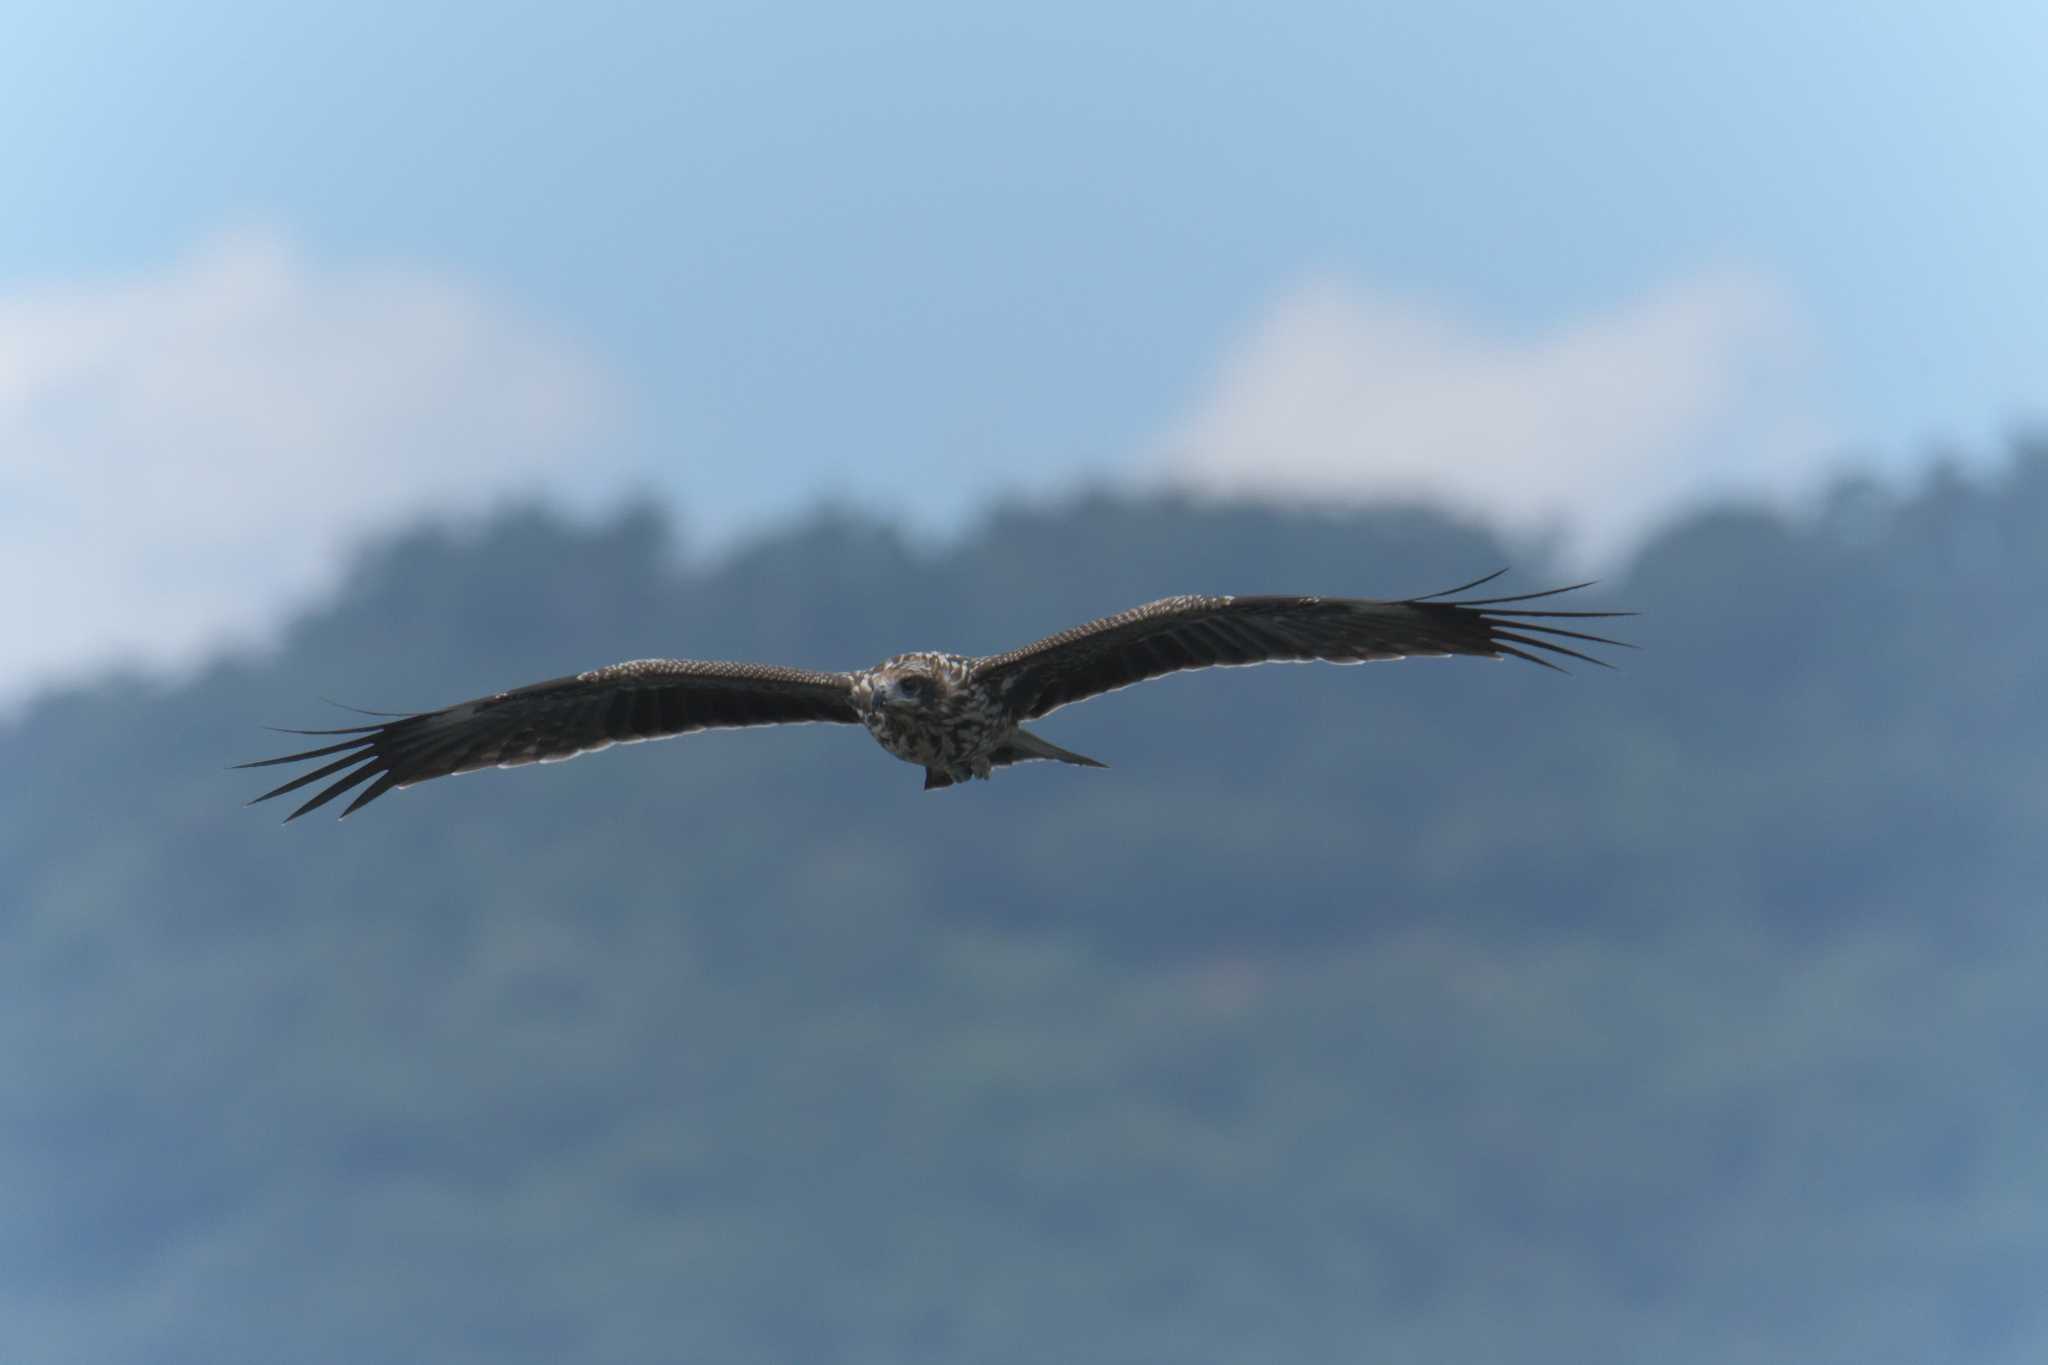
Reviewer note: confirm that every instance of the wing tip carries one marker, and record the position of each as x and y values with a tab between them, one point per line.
1510	631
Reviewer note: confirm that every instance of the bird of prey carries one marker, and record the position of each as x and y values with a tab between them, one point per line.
955	716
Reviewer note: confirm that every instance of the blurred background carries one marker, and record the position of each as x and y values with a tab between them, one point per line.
1433	1012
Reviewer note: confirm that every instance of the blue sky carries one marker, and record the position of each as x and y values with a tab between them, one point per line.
1605	257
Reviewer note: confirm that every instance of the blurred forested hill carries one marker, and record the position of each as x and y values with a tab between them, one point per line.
1434	1011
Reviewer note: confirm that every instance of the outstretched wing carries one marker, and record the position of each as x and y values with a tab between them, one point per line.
549	721
1178	633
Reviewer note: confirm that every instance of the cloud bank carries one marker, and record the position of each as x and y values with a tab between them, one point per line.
1592	433
185	455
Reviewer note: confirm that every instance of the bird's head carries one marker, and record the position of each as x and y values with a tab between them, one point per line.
908	682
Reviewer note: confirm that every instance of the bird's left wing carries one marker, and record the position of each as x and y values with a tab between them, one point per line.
1177	633
548	721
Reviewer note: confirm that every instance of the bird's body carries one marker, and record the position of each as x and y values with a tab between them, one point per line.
956	716
925	709
931	709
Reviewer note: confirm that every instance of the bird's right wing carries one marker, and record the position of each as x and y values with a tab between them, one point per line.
1177	633
548	721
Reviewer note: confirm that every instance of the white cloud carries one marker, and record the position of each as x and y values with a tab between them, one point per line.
1593	432
185	455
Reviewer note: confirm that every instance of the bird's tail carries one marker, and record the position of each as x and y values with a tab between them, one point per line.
1028	745
1021	747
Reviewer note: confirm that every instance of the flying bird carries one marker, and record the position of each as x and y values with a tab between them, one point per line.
956	716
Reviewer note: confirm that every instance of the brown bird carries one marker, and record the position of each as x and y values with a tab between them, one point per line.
955	716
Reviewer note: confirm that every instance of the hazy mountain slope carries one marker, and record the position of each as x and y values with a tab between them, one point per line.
1455	1010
